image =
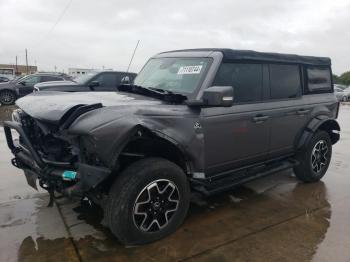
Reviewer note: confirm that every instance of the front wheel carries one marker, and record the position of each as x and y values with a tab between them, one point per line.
7	97
315	159
148	201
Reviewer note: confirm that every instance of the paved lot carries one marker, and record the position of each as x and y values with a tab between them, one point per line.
272	219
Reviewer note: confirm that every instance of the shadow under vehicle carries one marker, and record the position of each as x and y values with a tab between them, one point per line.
203	120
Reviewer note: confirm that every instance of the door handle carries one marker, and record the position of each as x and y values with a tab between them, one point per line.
260	118
303	111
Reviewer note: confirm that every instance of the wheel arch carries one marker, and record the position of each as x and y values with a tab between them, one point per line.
143	142
321	122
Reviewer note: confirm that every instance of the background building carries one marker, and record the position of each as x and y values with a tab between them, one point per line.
79	71
7	69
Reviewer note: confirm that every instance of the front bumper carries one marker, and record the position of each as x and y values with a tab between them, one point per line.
48	172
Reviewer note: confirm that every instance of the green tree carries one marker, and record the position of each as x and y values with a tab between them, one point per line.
344	78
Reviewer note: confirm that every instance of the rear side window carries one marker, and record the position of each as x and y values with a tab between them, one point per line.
246	79
50	78
285	81
318	79
106	80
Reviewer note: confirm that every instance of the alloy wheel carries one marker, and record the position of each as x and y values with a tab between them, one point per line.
156	205
319	157
7	97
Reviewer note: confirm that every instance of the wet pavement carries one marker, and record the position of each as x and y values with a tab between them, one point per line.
275	218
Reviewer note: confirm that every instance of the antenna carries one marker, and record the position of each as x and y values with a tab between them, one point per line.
133	54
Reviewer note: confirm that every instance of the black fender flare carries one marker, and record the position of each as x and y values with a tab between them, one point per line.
322	122
139	130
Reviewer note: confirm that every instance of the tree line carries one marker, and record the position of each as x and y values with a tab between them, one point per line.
343	79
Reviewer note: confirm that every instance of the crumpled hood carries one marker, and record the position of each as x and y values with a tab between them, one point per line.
51	106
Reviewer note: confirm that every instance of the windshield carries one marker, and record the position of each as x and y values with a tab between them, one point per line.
179	75
82	79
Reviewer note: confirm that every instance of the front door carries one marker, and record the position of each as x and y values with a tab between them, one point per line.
26	85
238	135
106	82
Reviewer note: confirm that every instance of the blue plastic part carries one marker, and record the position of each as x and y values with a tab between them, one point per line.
69	175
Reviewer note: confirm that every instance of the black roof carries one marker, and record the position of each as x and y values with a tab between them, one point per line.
232	54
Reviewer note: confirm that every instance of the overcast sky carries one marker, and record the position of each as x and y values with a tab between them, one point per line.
92	34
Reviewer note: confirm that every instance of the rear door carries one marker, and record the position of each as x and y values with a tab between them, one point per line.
237	135
289	110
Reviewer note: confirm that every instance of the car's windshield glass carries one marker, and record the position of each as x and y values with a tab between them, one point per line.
180	75
23	78
82	79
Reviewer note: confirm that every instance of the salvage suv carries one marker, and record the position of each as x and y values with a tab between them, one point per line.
203	120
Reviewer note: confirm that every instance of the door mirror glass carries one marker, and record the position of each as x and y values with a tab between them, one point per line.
218	96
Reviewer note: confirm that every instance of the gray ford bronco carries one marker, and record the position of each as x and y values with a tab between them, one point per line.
203	120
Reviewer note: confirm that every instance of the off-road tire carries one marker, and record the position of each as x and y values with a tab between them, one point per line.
7	97
126	190
305	170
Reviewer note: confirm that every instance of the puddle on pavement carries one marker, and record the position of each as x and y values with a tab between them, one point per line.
5	113
274	218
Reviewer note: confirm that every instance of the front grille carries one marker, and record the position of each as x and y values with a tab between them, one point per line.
45	140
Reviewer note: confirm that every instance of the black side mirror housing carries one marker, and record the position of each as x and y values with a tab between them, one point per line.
218	96
125	81
22	83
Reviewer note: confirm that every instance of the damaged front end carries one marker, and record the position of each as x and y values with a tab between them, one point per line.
46	152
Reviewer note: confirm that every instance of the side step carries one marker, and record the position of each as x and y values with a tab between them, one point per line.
211	187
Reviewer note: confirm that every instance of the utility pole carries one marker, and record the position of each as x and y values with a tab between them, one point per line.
16	67
27	62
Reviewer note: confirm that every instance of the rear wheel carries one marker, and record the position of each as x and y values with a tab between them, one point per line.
7	97
148	201
314	161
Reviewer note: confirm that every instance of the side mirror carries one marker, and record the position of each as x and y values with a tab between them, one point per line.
218	96
23	83
94	84
125	81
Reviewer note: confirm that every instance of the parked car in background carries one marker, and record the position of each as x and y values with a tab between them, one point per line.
202	120
96	81
4	79
14	89
342	94
340	86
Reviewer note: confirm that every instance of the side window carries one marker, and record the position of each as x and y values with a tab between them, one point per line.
285	81
31	80
246	79
318	79
50	78
107	80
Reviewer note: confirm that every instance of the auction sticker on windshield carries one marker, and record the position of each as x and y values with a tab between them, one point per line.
187	70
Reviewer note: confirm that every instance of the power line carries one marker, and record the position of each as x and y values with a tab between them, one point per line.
133	54
58	20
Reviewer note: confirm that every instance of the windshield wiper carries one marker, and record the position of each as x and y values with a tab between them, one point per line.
154	92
